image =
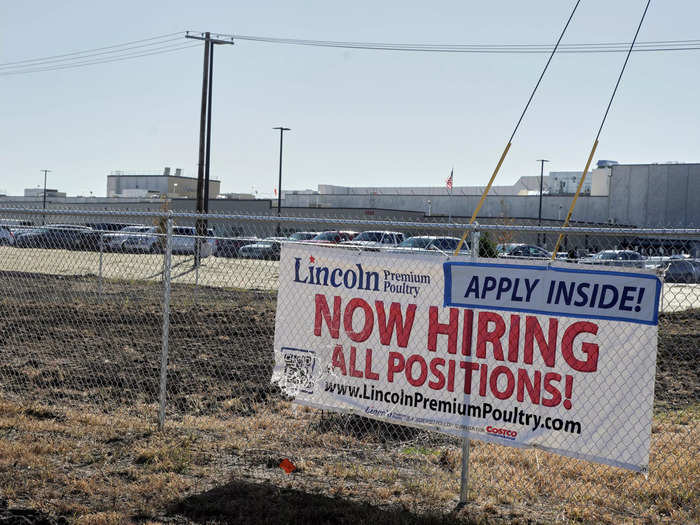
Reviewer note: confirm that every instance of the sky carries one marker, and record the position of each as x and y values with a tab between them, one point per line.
357	117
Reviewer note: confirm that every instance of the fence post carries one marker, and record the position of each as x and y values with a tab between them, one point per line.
166	318
99	273
464	481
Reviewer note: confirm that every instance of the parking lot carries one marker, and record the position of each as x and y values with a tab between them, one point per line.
218	272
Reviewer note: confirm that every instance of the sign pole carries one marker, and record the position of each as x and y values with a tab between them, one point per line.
464	480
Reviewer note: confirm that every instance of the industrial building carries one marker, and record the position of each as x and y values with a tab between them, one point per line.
637	195
39	192
627	195
122	184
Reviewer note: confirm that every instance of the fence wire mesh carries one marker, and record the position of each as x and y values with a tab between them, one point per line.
85	323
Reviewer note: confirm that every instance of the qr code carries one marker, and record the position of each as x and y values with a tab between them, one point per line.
298	370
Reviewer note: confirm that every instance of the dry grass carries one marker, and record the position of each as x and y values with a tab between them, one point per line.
98	469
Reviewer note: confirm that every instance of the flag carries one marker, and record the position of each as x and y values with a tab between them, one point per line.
274	191
449	179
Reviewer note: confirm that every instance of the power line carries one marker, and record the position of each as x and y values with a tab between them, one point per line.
603	47
130	56
154	46
48	61
600	129
159	37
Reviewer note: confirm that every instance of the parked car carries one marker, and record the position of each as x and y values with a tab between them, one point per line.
268	249
7	238
333	237
432	244
376	239
110	226
504	248
67	236
229	247
527	251
682	271
112	242
627	258
302	236
185	238
183	241
147	241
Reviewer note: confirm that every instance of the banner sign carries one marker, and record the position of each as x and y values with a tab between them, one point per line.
555	356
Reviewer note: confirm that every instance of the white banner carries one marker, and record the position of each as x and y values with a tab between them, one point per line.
556	356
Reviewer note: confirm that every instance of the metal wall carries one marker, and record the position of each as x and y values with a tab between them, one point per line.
655	195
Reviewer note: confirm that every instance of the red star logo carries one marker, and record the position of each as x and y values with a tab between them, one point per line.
311	259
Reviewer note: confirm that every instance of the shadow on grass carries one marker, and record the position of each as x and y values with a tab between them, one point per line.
364	428
241	501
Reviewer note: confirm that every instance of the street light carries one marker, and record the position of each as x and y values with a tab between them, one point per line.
539	214
279	183
43	218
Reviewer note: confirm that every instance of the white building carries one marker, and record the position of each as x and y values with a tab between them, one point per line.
139	185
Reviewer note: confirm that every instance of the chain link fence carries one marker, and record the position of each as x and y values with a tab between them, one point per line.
112	312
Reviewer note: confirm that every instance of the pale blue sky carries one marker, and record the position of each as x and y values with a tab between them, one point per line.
357	117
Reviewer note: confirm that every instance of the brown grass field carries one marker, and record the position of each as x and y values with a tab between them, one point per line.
79	441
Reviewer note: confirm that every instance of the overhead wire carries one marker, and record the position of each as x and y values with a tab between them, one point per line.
48	61
155	45
515	129
600	129
602	47
113	46
118	58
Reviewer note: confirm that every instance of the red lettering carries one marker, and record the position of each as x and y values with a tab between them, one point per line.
514	338
368	366
469	369
590	349
450	329
467	332
354	372
482	379
451	376
510	385
396	364
338	359
368	325
548	349
484	335
533	388
437	372
386	328
549	378
415	358
323	314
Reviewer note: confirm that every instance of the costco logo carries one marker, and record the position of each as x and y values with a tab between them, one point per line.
502	432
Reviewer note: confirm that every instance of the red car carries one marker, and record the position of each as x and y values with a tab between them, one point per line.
333	237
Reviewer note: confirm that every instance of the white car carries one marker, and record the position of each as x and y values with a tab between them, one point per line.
376	239
627	258
148	241
113	242
184	241
431	244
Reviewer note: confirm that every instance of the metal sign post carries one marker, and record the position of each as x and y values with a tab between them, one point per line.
464	480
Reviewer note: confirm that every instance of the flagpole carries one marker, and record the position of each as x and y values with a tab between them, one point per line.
449	195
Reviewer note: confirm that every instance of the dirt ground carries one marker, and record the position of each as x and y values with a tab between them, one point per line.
79	383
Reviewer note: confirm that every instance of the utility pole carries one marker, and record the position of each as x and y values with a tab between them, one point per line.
43	217
279	183
539	214
210	40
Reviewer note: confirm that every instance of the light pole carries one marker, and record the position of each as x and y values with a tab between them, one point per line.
43	217
539	213
279	182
